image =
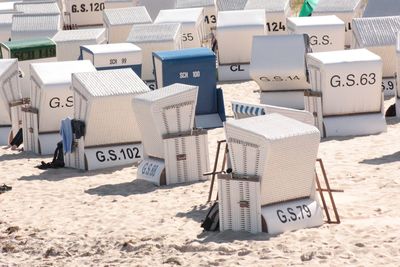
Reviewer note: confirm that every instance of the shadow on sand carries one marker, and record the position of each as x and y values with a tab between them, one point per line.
382	160
135	187
55	175
124	189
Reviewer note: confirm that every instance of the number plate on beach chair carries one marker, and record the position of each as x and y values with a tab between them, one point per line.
292	215
113	156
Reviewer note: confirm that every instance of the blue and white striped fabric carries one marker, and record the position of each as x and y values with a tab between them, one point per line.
246	109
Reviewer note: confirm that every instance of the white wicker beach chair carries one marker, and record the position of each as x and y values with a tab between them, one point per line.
227	5
169	110
191	20
27	52
119	22
230	25
261	149
382	8
114	56
166	119
103	101
69	42
379	36
51	101
278	66
345	10
28	26
210	11
276	12
10	96
154	37
326	33
346	95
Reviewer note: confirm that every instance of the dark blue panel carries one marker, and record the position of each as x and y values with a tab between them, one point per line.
195	66
221	106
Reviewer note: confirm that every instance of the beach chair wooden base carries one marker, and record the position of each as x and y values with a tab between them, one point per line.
240	208
239	204
42	143
30	126
313	104
186	159
16	114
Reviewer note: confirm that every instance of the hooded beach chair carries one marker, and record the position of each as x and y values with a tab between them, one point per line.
210	12
51	101
276	12
119	22
326	33
346	10
69	42
272	184
114	56
379	36
27	52
194	66
382	8
192	22
174	151
103	103
10	98
234	60
29	26
151	38
278	66
346	92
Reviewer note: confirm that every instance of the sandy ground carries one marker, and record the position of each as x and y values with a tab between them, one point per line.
66	217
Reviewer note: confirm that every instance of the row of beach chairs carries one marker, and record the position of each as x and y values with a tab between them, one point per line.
144	89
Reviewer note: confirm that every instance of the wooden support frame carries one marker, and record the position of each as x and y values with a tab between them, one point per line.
329	191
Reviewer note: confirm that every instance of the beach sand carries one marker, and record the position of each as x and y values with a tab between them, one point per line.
66	217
